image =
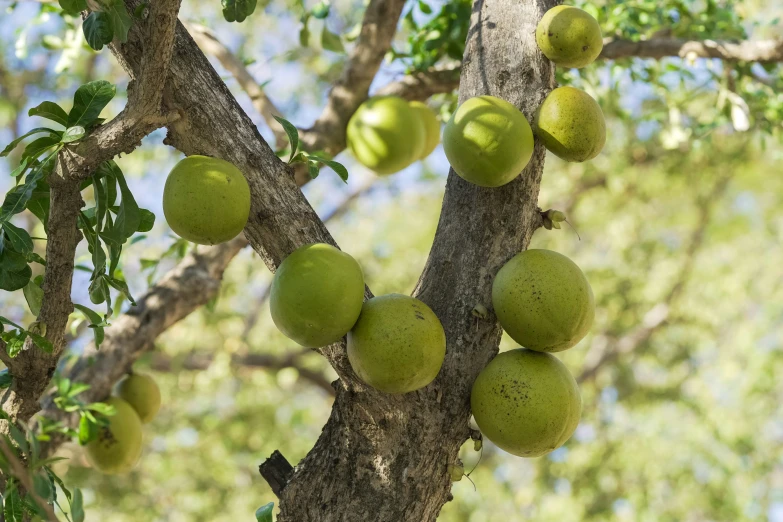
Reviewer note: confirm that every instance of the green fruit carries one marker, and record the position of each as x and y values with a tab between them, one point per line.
543	300
206	200
397	345
142	393
569	36
317	295
488	141
526	402
571	124
431	127
385	134
118	445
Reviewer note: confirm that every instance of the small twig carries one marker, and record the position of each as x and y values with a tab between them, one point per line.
277	471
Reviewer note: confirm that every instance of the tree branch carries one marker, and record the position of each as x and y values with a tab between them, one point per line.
420	85
378	27
22	474
209	43
763	51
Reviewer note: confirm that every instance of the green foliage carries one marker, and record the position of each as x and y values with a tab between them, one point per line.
440	37
264	513
313	161
108	22
238	10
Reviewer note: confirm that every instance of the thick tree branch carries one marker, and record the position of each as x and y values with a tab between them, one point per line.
421	85
378	27
210	44
763	51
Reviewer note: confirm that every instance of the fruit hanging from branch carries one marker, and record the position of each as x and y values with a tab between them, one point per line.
142	393
397	345
488	141
206	200
569	36
431	127
526	402
543	300
117	447
317	295
571	124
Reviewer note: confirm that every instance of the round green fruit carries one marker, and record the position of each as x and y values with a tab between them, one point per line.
571	124
527	403
317	295
142	393
488	141
397	345
569	36
385	134
117	447
543	300
431	127
206	200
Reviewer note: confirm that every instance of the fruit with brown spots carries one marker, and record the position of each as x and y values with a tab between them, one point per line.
543	300
142	393
397	345
571	124
527	403
117	447
569	36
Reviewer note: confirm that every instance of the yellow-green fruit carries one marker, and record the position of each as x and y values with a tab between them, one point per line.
488	141
543	300
397	345
206	200
527	403
118	445
431	127
571	124
142	393
317	295
385	134
569	36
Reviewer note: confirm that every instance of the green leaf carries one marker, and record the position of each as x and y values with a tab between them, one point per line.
304	32
20	239
121	21
88	102
292	133
237	10
14	271
88	430
50	111
312	169
12	504
42	486
73	7
424	8
36	147
5	379
77	506
320	10
128	217
331	42
146	220
122	286
41	342
72	134
59	482
34	297
11	146
264	513
335	166
96	323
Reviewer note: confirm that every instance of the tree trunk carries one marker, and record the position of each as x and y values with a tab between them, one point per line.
384	458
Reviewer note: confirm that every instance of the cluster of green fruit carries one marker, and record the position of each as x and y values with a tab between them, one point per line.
396	343
117	446
387	133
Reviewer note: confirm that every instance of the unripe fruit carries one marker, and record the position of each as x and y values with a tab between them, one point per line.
488	141
118	446
397	345
317	295
206	200
385	134
571	124
527	403
431	127
569	36
543	300
142	393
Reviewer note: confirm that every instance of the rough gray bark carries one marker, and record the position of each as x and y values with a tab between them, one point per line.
384	457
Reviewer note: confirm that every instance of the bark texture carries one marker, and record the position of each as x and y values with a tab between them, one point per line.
384	457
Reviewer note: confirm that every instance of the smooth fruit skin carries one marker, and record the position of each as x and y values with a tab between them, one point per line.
385	134
571	124
206	200
317	295
543	300
569	36
142	393
488	141
118	446
397	345
527	403
431	127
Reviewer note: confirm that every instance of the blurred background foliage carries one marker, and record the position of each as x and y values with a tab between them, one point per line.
681	229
